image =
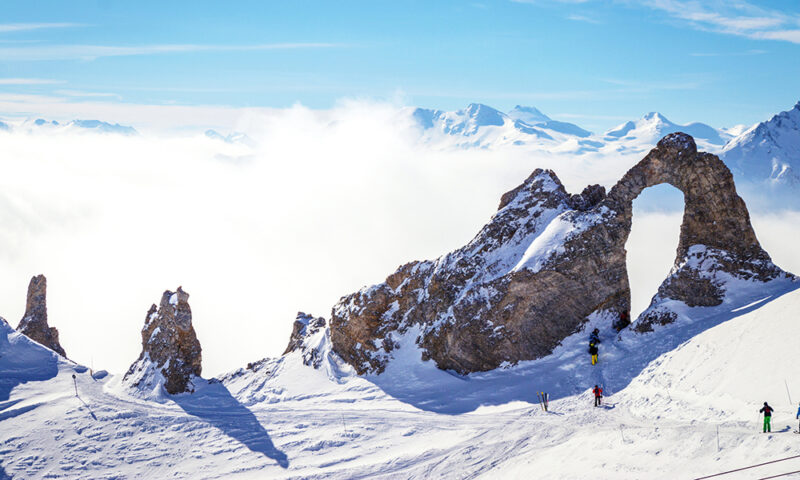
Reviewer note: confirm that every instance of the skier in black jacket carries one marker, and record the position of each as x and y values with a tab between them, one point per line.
767	411
593	352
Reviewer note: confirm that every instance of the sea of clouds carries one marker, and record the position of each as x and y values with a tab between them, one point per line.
327	201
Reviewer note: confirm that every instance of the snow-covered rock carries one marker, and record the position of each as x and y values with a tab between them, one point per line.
171	354
548	262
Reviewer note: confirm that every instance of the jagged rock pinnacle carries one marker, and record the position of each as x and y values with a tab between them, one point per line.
34	322
171	353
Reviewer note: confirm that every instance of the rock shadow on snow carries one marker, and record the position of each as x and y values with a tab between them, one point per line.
214	404
22	360
565	373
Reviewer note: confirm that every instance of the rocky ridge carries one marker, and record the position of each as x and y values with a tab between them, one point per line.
34	322
547	262
171	354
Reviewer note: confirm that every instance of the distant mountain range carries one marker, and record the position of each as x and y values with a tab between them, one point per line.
480	125
42	125
765	154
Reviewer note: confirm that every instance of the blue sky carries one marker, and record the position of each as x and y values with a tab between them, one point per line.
595	63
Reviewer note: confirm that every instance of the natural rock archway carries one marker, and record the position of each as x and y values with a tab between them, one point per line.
547	262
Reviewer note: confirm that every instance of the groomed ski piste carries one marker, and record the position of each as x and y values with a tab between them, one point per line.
681	402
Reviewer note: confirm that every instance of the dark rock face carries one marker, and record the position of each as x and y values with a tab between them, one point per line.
716	234
34	322
304	329
169	346
546	262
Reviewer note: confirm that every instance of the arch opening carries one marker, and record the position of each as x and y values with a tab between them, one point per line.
652	244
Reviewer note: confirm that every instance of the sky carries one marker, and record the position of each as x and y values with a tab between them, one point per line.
595	63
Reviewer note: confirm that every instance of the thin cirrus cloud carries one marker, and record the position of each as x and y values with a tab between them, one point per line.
92	52
24	27
733	18
29	81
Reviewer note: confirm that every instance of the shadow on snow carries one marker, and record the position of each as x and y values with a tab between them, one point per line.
213	403
568	370
22	360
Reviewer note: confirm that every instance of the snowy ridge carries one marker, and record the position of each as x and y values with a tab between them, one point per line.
40	125
768	152
666	395
653	126
481	126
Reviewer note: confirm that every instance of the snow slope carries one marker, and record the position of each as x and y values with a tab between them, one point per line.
768	152
669	392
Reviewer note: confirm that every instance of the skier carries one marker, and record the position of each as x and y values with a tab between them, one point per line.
595	336
593	352
624	321
798	417
598	395
767	410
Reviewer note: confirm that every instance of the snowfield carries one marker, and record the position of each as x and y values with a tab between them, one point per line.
682	403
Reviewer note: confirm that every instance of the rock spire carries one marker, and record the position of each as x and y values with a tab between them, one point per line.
34	322
171	354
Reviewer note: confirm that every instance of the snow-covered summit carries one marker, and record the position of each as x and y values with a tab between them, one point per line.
529	115
233	137
653	126
482	126
769	151
533	116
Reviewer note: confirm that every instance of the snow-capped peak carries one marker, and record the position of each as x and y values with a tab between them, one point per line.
654	125
769	150
529	115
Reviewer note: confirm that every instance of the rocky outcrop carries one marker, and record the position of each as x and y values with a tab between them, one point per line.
549	261
34	322
306	333
171	354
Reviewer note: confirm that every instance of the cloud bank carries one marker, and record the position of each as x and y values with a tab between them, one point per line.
329	201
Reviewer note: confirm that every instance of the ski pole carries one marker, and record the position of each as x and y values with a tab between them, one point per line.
345	426
718	449
75	381
787	392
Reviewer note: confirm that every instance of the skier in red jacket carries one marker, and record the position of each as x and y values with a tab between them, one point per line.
598	395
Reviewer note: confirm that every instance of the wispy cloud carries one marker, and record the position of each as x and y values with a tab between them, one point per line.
746	53
82	94
583	18
92	52
733	17
23	27
29	81
692	83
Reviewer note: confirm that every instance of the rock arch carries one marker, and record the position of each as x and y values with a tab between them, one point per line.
547	262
